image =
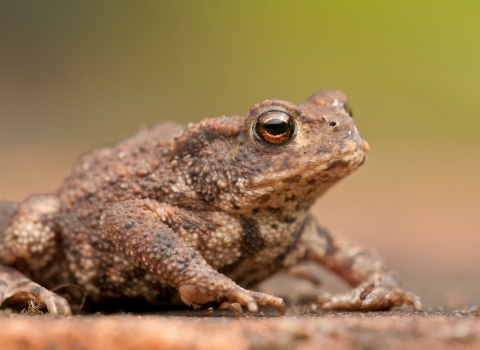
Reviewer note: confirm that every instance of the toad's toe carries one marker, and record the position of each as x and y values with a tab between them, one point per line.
371	297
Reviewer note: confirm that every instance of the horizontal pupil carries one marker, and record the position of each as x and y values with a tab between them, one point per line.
276	126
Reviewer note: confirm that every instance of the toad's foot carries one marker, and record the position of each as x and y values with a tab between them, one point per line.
229	296
14	283
377	293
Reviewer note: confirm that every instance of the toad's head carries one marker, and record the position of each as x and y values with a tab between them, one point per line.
280	156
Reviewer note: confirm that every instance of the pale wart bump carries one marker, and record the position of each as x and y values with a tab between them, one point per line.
88	264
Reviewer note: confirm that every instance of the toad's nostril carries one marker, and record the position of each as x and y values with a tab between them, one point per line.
333	124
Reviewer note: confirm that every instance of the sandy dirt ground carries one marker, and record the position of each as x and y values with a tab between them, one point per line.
416	203
392	330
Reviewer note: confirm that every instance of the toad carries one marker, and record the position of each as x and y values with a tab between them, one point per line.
199	214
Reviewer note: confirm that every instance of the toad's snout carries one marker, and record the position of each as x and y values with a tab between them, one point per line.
364	146
343	125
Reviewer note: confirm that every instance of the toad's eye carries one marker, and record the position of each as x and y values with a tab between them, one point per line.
275	127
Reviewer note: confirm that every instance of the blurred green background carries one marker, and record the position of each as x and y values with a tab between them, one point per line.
89	71
78	74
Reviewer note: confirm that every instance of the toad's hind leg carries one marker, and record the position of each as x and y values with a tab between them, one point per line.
142	229
27	239
377	286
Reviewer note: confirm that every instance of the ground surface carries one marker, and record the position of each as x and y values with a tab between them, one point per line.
415	203
393	330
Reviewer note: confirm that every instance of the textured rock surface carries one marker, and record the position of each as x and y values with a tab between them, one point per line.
392	330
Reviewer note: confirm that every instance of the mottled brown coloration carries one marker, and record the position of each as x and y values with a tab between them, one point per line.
207	210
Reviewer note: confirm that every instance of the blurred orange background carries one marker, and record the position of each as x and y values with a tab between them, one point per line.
77	75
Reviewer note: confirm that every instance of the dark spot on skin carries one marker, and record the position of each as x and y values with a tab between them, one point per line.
366	291
290	198
256	211
252	241
292	179
337	164
20	285
289	220
274	210
274	226
129	225
323	150
330	249
3	284
263	199
236	207
291	246
36	290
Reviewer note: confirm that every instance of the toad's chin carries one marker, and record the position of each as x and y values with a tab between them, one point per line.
329	170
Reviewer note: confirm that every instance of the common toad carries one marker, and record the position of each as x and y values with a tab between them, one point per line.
200	213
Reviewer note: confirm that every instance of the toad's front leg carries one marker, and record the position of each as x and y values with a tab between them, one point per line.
377	286
142	229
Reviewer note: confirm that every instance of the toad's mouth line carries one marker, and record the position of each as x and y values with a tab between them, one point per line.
351	161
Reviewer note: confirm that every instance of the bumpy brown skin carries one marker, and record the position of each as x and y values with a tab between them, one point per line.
207	210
